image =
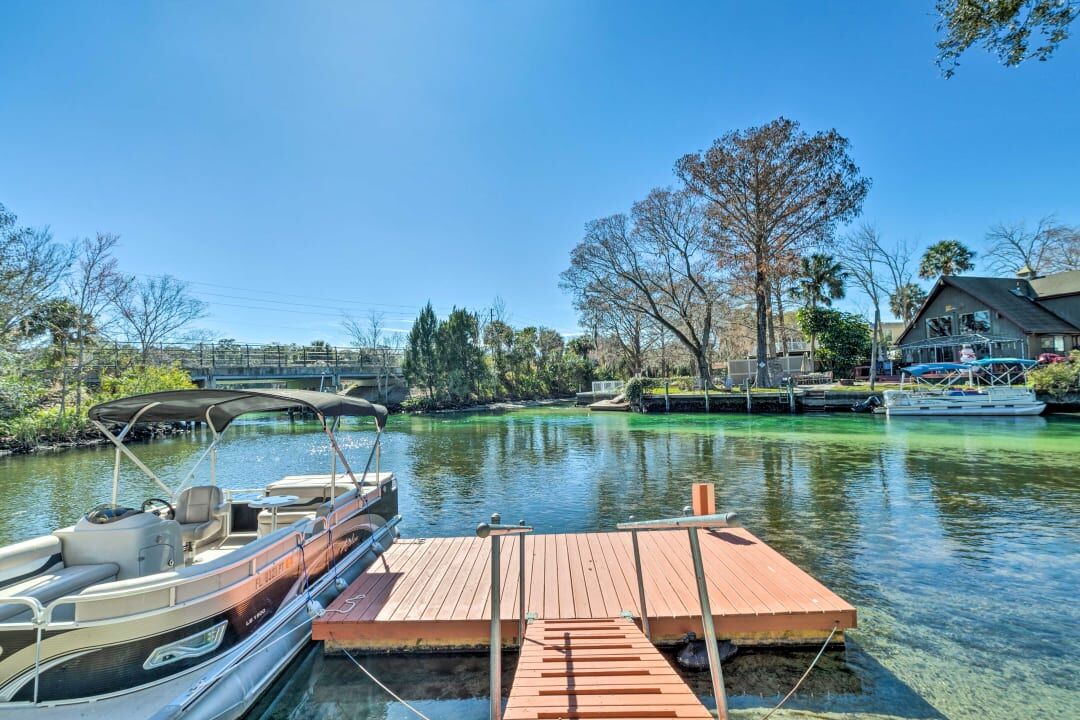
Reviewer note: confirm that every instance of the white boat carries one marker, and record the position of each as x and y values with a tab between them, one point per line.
981	387
187	607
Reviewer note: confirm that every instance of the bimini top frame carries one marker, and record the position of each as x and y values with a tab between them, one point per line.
944	375
218	408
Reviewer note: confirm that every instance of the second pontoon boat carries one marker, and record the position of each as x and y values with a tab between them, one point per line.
981	387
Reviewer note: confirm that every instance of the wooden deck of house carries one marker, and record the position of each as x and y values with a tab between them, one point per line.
603	668
434	593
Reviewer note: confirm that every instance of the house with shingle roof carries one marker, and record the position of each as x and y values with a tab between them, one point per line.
998	317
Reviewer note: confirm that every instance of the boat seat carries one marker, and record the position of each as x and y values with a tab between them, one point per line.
201	512
52	584
22	559
284	519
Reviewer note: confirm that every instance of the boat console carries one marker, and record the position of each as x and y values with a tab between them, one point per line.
139	543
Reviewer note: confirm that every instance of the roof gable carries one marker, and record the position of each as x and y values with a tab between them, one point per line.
1000	295
1058	284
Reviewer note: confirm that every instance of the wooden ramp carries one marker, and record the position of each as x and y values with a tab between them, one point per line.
602	668
434	593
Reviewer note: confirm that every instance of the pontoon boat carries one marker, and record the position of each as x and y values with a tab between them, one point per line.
981	387
190	604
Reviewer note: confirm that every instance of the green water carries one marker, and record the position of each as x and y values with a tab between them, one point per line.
958	540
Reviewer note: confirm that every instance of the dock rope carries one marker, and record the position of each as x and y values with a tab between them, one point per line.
350	601
821	652
390	692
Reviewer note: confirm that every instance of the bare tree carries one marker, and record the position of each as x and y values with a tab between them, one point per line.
654	264
628	331
92	285
32	270
862	258
152	309
771	191
371	338
896	279
1047	248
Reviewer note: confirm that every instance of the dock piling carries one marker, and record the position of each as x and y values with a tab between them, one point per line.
717	675
521	586
640	584
495	530
692	523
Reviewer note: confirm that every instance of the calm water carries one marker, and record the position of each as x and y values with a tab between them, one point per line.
957	539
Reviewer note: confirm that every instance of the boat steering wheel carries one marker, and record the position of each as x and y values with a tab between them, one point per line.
156	505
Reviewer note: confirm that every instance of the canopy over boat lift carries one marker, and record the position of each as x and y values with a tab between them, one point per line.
990	345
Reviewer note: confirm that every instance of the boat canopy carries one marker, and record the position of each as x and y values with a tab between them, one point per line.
926	368
985	362
221	407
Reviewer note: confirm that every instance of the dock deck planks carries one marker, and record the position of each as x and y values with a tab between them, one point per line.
435	593
601	668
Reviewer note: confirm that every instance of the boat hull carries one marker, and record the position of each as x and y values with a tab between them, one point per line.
225	687
999	401
988	410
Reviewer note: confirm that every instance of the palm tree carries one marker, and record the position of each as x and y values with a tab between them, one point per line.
946	257
820	281
906	301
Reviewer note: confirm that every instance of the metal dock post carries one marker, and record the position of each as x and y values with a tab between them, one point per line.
691	524
640	584
496	530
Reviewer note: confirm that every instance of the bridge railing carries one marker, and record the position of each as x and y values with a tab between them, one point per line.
247	355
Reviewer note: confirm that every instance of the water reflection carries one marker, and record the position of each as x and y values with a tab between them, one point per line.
957	539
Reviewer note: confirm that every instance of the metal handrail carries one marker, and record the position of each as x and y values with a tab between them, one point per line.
692	523
496	530
36	608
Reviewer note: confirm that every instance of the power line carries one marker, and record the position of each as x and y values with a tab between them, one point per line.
276	293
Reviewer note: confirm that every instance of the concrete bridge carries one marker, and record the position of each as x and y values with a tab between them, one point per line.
372	373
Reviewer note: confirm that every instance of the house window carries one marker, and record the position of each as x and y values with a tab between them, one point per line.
975	322
1052	343
939	326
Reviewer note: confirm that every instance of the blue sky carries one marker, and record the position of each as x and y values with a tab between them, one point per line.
292	160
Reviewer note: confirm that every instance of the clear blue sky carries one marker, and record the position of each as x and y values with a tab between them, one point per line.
376	152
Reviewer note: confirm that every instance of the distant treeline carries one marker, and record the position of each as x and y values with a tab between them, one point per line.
462	359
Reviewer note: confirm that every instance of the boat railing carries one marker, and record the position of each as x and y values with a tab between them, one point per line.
37	610
43	620
250	644
291	539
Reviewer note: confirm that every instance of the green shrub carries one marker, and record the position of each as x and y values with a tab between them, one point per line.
144	379
18	393
1057	379
634	390
44	425
420	403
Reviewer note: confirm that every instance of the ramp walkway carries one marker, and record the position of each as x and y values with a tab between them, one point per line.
596	668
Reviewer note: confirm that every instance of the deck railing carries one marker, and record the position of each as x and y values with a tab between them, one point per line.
247	355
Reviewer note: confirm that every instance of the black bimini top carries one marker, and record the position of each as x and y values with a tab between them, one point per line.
224	406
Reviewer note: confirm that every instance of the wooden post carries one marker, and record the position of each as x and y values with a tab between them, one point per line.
704	498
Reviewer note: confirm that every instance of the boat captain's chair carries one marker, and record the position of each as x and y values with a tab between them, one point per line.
201	512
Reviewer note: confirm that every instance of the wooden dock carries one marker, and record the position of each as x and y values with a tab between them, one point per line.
603	668
434	593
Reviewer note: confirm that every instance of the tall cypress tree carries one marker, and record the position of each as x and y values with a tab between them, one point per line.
461	357
421	362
